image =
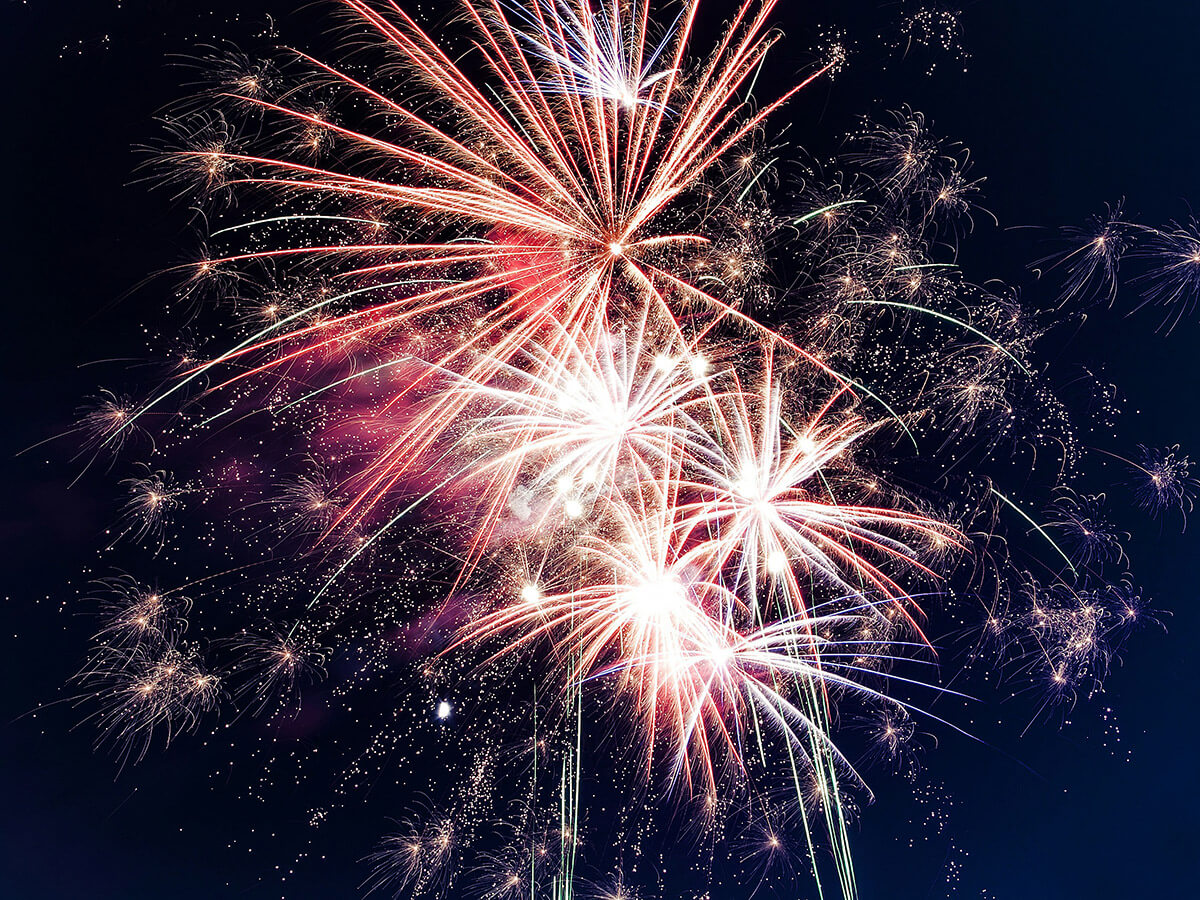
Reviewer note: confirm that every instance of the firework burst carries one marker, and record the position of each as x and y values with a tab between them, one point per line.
512	317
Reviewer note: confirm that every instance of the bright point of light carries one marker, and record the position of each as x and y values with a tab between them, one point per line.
661	595
573	509
746	484
569	394
530	593
698	365
664	363
776	562
806	444
613	418
443	710
616	248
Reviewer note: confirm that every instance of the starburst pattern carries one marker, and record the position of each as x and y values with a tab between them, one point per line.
541	420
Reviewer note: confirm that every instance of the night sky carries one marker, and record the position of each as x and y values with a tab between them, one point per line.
1066	105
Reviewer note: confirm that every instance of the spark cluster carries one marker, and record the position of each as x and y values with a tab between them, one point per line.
544	394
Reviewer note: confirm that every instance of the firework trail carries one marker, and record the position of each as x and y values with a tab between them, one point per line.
522	306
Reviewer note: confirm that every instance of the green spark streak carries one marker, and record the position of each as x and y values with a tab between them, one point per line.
753	78
758	735
248	342
761	172
887	406
822	758
937	315
823	770
213	418
807	217
1039	528
808	839
563	885
842	856
925	266
831	800
367	543
533	803
332	385
297	217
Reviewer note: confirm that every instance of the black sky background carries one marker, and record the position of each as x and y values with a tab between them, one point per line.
1066	105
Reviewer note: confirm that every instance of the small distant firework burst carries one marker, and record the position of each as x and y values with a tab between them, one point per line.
933	31
511	402
1164	481
1167	261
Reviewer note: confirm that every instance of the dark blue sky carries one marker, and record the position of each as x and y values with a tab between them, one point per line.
1066	105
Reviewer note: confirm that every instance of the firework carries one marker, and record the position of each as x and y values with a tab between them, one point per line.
539	421
1081	517
144	678
1092	259
1164	480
